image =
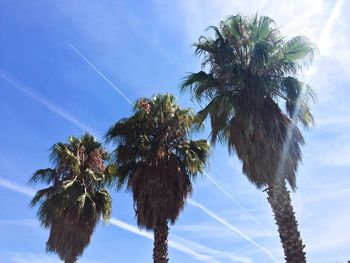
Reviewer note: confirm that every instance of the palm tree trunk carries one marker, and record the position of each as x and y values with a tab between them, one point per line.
160	249
279	199
70	260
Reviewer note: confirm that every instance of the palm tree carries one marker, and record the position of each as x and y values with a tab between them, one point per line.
157	162
248	71
76	199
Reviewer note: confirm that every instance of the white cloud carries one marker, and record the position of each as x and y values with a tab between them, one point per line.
173	244
191	202
235	201
211	229
293	17
194	249
22	257
232	228
16	84
209	256
219	254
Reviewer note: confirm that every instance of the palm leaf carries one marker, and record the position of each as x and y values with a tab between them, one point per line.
45	176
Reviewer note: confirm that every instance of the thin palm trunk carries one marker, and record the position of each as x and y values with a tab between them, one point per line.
279	199
70	261
160	250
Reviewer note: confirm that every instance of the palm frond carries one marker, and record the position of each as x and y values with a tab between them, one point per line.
247	66
40	195
68	206
154	159
298	97
45	176
201	85
299	49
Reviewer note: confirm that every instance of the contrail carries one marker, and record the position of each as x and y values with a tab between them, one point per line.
173	244
209	258
213	252
231	227
19	86
101	74
42	100
210	178
323	45
238	204
16	187
323	41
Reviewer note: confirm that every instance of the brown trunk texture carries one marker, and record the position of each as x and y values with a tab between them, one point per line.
160	249
279	199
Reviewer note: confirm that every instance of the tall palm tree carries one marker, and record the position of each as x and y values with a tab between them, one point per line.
248	71
76	198
157	162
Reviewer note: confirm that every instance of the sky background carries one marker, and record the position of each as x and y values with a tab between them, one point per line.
63	65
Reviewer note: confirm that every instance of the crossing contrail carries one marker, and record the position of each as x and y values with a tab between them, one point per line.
207	257
232	228
192	202
207	175
74	121
238	204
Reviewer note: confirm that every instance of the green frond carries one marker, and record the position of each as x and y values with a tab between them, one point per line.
201	85
195	155
49	209
299	96
40	195
103	202
68	206
299	49
261	28
247	66
45	176
154	159
204	45
89	142
233	27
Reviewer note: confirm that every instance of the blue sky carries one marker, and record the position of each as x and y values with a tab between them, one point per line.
49	91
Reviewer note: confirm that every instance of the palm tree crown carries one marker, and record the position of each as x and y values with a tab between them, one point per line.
248	70
155	159
76	199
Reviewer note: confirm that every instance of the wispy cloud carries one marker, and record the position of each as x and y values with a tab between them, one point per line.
233	199
176	245
22	257
232	228
13	82
325	40
205	257
218	254
211	179
16	187
16	84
